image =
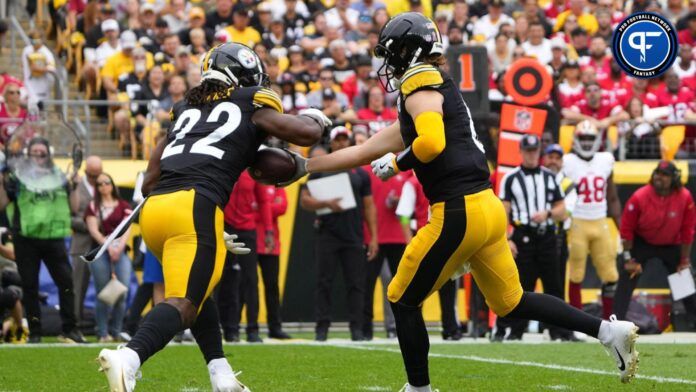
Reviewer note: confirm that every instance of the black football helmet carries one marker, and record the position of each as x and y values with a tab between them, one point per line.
233	65
405	40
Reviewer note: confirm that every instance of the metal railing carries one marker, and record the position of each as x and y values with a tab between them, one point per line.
78	109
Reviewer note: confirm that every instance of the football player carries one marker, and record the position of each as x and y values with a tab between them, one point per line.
436	137
215	134
591	172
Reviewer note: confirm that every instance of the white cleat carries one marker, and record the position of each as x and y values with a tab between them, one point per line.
119	374
622	346
223	379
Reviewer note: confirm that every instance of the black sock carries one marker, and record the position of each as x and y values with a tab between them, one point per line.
140	300
552	310
206	330
414	342
158	328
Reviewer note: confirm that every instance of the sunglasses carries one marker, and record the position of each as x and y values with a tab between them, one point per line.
100	183
39	155
325	78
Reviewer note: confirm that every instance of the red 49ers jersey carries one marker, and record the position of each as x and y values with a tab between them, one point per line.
680	102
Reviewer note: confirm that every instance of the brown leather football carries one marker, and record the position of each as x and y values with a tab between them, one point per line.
272	165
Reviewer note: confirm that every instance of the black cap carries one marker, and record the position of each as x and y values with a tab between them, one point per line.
286	78
554	149
241	9
161	23
530	142
328	93
363	60
667	167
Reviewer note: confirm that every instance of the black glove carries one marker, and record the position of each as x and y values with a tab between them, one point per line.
300	168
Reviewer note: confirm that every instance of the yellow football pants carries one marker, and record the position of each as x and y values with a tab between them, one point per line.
185	231
470	229
591	237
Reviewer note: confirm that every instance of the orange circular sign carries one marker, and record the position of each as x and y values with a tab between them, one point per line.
528	82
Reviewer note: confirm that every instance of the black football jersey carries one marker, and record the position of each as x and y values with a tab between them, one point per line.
460	169
209	146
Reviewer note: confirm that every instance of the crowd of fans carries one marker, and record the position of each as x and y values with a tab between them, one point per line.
144	56
319	54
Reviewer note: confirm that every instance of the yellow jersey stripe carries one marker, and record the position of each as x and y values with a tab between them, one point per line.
409	72
423	78
270	100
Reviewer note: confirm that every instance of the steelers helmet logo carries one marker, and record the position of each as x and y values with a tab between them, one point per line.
247	58
645	45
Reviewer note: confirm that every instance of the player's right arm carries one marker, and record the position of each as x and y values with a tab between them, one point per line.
385	141
300	130
303	130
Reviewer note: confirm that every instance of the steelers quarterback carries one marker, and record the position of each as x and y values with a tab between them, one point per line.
435	137
591	172
216	132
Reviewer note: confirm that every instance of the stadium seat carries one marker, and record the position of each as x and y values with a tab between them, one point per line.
565	137
613	137
671	139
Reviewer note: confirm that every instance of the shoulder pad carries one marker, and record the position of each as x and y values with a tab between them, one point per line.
265	97
419	76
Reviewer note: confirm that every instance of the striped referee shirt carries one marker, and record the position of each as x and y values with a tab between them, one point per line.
530	191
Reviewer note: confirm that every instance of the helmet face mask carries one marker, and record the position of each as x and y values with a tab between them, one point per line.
234	65
405	40
587	140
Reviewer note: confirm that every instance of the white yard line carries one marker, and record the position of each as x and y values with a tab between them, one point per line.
379	346
499	361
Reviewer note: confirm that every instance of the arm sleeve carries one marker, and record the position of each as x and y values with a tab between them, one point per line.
629	218
429	143
89	211
687	226
407	201
264	202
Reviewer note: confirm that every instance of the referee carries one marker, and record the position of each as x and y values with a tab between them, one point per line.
533	201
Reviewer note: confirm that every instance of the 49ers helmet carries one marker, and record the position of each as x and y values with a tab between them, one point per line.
405	40
587	139
233	65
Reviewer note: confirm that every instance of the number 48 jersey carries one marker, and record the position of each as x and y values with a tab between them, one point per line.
208	146
590	179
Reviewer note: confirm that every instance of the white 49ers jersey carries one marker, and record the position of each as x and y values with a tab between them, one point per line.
590	179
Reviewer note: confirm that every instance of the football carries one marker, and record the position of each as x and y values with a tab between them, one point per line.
272	165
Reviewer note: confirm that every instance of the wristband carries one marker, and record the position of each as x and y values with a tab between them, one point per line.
626	256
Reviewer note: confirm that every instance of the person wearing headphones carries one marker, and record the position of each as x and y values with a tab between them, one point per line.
657	223
39	199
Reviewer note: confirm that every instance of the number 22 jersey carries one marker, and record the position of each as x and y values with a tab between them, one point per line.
208	146
590	179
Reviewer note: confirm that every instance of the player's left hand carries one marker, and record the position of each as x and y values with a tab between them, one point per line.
300	168
385	167
237	248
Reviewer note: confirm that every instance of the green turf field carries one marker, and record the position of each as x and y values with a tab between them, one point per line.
341	366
